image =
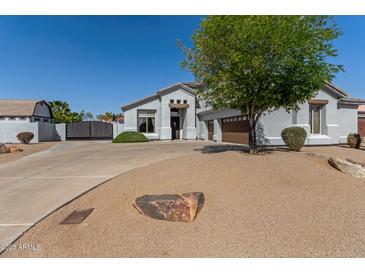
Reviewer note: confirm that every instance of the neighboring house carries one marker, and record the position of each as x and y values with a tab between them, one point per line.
361	124
31	116
24	111
176	113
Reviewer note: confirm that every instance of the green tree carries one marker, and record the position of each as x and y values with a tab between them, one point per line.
109	116
61	112
258	64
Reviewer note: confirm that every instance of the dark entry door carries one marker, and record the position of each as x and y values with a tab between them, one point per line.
175	128
362	126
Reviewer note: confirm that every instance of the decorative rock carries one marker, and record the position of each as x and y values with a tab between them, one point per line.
4	149
15	149
170	207
352	169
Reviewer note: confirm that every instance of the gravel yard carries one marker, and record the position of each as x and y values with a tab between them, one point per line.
279	204
27	150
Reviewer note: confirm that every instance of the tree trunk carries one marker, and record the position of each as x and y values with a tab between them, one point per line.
252	137
252	124
253	118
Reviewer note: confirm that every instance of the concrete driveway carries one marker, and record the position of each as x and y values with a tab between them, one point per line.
36	185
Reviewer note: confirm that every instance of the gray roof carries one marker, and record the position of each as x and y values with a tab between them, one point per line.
18	107
342	96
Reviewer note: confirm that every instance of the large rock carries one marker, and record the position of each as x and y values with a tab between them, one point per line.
4	149
352	169
15	149
171	207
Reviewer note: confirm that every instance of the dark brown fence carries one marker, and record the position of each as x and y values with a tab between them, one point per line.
89	130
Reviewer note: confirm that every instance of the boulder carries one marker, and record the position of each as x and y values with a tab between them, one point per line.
4	149
15	149
352	169
170	207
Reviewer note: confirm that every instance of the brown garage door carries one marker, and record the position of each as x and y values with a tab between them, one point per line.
210	130
362	126
235	130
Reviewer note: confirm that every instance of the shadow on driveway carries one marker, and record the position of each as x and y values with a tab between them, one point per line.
229	147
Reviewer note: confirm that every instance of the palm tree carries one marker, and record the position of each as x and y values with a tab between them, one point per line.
61	112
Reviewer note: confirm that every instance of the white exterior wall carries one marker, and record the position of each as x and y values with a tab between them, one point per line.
42	131
187	117
60	133
8	131
118	128
131	116
163	116
46	132
337	121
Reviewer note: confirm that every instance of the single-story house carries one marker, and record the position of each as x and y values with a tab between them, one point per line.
24	111
175	112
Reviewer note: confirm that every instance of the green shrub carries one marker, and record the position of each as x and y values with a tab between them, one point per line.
294	137
130	137
25	137
354	140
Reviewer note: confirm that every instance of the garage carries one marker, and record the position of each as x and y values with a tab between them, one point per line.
235	130
361	126
210	130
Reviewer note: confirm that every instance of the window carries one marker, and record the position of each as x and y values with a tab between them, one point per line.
178	101
45	120
2	118
36	119
315	119
22	118
185	102
146	122
172	101
12	118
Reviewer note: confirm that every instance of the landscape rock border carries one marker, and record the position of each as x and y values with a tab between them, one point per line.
351	168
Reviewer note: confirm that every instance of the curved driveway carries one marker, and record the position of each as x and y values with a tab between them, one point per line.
35	185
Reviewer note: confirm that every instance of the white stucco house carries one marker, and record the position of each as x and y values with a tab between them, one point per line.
175	112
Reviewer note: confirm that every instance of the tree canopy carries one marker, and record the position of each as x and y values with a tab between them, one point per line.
61	112
261	63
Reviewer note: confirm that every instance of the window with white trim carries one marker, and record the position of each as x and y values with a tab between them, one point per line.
146	121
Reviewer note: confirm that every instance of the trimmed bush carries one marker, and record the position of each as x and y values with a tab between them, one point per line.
354	140
130	137
294	137
25	137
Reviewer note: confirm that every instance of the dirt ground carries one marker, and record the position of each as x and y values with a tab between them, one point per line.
279	204
27	150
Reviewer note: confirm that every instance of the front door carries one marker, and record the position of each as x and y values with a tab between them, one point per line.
361	126
175	128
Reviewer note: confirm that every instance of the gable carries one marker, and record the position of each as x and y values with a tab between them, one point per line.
165	91
42	109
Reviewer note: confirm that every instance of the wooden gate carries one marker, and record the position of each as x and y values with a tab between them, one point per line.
89	130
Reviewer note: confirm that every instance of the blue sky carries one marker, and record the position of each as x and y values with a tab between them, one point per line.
98	63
